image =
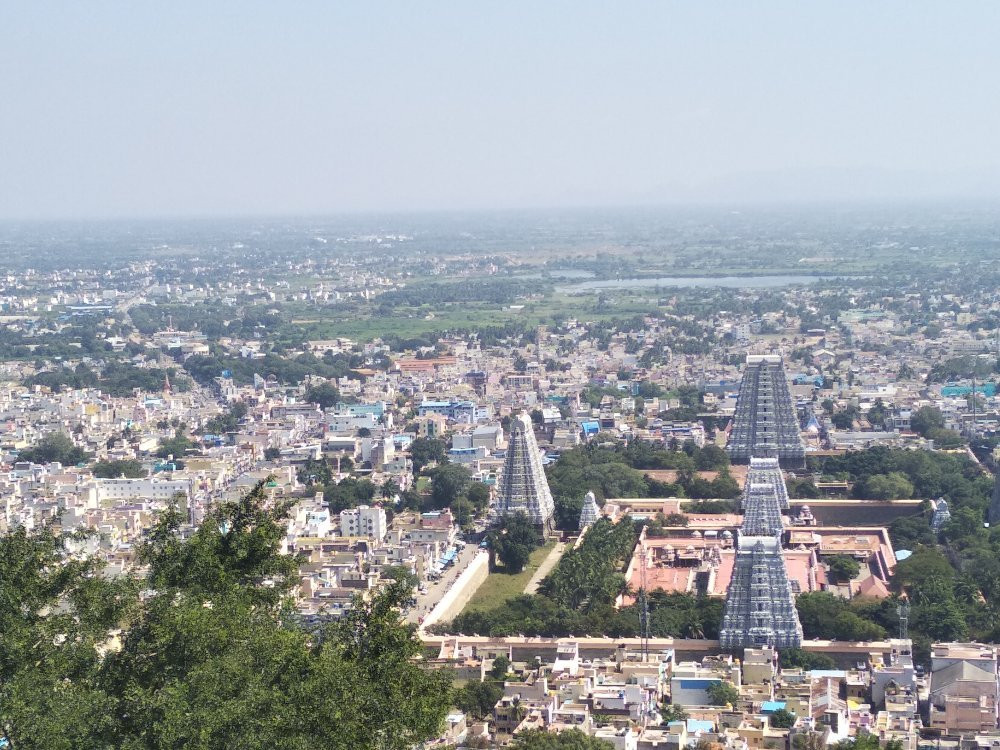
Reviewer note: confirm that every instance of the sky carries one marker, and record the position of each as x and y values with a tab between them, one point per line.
158	109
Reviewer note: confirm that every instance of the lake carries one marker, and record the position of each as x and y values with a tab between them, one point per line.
731	282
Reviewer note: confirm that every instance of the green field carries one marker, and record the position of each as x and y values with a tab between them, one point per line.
499	587
366	325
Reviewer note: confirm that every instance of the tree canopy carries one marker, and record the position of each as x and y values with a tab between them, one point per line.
56	446
572	739
210	657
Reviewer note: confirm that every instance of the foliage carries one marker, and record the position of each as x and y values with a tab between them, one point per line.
55	446
131	469
843	568
891	486
925	419
721	693
500	667
205	368
324	395
590	574
427	450
825	615
210	657
782	719
671	615
513	541
227	422
448	483
795	657
348	493
617	472
478	698
176	446
673	712
116	379
572	739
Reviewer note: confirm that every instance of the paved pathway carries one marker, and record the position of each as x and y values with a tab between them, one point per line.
435	590
545	568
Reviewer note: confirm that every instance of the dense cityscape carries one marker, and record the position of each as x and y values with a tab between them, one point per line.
625	480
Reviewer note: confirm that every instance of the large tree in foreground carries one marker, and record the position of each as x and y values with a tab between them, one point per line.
212	656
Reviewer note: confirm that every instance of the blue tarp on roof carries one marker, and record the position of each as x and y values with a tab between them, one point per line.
769	707
988	389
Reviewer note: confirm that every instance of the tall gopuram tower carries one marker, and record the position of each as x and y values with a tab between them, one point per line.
760	602
765	423
523	486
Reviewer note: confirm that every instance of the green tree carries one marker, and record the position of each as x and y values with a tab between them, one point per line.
176	446
672	712
211	657
448	482
796	657
324	395
573	739
463	511
782	719
130	469
56	613
56	446
426	450
722	693
513	542
843	568
478	698
479	495
926	418
500	668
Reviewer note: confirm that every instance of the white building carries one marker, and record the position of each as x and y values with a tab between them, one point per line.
363	521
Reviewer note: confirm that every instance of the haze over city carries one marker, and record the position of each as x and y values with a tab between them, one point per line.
481	376
118	109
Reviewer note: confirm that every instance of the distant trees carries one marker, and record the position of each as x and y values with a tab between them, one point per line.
55	446
591	573
894	485
130	469
617	471
572	739
824	615
427	450
478	698
175	446
228	421
722	693
448	483
324	395
792	658
925	419
782	719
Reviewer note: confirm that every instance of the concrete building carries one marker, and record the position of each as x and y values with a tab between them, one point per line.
364	521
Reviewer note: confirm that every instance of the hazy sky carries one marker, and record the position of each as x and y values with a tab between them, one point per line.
199	108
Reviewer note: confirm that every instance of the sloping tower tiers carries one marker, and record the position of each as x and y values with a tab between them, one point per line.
522	485
760	603
765	423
